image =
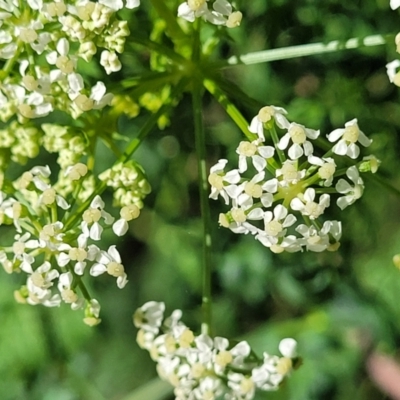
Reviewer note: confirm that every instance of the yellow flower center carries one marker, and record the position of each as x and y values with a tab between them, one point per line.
298	134
351	134
273	228
247	149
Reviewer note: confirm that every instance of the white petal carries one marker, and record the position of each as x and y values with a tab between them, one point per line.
113	252
335	135
120	227
288	347
97	269
259	163
295	151
95	231
353	151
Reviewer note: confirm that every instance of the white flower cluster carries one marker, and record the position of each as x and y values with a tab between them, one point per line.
55	238
40	44
392	68
221	14
283	187
201	367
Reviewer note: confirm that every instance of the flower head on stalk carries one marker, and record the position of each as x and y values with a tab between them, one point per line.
202	367
54	243
281	200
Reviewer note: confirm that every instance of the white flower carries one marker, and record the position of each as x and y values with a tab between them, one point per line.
218	177
265	115
192	9
110	262
127	213
289	173
68	294
352	193
298	134
258	154
327	168
307	206
313	239
149	317
348	136
90	225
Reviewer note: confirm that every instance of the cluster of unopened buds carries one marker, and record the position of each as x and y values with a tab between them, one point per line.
221	14
40	44
57	227
201	367
278	193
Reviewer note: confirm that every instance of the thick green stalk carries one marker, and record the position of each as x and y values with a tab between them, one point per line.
230	108
306	50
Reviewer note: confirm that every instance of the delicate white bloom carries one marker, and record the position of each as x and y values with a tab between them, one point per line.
90	225
351	193
289	173
327	168
193	9
348	136
265	115
128	213
307	206
275	224
218	178
298	134
111	263
258	154
149	316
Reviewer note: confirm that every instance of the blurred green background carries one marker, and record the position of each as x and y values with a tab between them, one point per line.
339	306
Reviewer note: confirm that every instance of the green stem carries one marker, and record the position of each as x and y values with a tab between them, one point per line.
158	48
306	50
173	28
204	190
230	108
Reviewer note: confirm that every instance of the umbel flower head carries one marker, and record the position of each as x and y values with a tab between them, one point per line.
42	42
279	192
57	232
202	367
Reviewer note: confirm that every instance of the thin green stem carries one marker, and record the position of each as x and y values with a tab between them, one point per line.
158	48
203	190
306	50
173	28
230	108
